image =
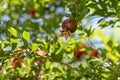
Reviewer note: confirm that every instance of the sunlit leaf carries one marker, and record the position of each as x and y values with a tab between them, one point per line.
13	31
47	64
34	47
26	36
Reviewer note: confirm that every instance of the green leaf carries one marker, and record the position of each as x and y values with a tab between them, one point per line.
2	45
43	2
14	40
34	47
56	69
47	64
13	31
84	64
26	36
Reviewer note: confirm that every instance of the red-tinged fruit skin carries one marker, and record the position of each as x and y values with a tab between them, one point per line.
68	26
94	53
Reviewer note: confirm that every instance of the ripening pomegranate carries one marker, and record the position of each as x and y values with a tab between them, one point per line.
68	26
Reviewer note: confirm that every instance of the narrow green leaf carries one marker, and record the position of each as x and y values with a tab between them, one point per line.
13	31
26	36
43	2
14	40
2	45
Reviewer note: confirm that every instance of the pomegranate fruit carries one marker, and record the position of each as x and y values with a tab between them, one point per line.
68	26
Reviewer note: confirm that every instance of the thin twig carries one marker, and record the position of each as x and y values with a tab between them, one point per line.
91	43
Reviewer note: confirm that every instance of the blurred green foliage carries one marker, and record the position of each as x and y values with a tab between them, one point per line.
32	48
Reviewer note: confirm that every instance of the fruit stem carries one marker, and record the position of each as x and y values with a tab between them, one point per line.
66	34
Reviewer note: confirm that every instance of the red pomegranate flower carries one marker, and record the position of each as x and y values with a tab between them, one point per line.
37	62
12	64
41	53
81	46
32	13
0	68
78	53
94	52
20	62
68	26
